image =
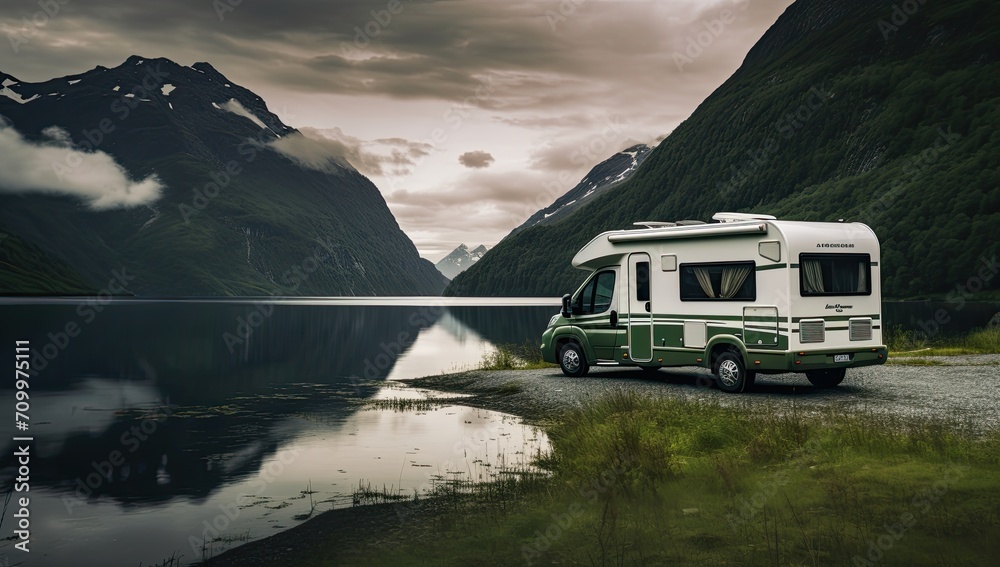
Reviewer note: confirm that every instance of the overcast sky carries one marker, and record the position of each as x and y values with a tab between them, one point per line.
468	115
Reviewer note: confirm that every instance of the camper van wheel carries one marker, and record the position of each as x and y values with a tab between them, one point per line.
826	378
572	361
730	374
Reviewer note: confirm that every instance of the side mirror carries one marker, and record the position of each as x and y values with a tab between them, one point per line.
567	311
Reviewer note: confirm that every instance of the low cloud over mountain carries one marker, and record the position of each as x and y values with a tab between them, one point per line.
54	166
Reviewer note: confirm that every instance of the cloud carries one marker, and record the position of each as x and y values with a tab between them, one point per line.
312	151
329	149
54	166
476	159
234	106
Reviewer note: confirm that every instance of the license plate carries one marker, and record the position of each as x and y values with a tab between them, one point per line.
841	358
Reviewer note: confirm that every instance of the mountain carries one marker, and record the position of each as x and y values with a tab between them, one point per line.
857	110
153	178
603	177
459	260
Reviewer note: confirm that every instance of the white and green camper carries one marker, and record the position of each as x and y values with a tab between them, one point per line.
747	294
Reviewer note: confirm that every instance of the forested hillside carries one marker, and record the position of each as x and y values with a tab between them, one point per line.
853	110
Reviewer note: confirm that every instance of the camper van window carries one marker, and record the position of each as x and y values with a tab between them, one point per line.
642	281
718	281
835	274
595	297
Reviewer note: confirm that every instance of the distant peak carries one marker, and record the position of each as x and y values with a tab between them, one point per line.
136	60
635	148
205	67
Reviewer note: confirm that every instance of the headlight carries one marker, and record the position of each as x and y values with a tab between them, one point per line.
553	320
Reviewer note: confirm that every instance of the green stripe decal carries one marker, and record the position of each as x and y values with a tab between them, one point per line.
771	267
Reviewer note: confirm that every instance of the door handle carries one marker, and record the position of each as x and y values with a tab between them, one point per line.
647	307
614	318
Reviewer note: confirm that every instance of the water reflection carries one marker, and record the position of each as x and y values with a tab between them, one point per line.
150	419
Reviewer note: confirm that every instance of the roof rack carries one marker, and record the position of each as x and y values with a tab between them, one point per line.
739	217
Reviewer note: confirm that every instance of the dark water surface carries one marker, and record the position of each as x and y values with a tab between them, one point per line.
183	428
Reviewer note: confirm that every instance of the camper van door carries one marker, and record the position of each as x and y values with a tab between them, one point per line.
640	309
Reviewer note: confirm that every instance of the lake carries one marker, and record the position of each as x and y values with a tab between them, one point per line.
183	428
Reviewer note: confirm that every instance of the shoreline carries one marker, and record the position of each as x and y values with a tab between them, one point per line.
540	397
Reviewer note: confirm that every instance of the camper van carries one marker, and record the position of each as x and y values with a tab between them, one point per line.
745	295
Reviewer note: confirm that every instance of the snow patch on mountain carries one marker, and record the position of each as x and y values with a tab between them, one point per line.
16	97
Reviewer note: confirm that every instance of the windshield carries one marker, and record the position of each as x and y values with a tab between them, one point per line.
595	297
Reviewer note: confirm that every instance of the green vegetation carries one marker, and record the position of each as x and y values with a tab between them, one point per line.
899	132
913	343
27	269
514	357
654	481
401	405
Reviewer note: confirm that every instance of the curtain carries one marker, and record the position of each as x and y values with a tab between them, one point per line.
862	277
704	280
813	276
732	280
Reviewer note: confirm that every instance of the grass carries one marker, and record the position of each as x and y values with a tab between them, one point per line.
525	356
401	405
914	343
637	480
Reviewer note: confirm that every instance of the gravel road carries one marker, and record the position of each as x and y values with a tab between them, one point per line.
964	390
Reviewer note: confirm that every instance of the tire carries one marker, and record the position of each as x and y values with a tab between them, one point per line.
572	360
731	374
826	378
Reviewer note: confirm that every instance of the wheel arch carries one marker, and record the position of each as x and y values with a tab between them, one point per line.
574	335
722	343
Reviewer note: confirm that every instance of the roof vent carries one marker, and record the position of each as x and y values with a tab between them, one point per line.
739	217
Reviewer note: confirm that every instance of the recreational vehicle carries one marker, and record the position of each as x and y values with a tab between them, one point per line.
744	295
